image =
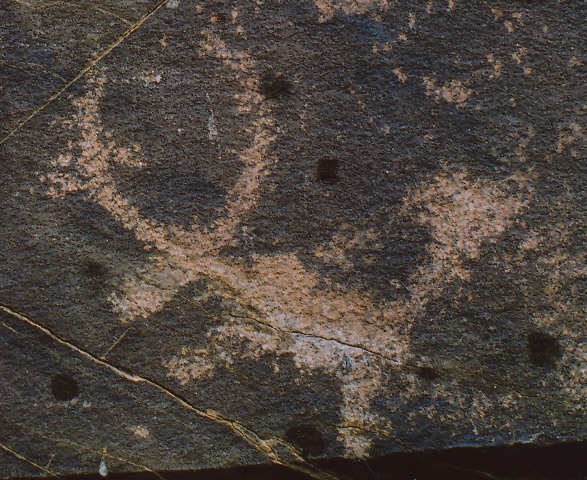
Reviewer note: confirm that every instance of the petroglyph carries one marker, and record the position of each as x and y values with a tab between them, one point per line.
271	232
275	302
341	332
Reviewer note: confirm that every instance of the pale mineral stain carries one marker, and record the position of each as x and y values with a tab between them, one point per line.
189	366
212	128
102	468
430	7
496	64
328	8
519	55
151	78
569	135
141	432
400	74
412	20
454	92
531	242
382	47
498	12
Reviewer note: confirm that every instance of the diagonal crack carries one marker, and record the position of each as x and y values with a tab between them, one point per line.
91	64
406	365
33	65
22	457
77	447
248	435
283	331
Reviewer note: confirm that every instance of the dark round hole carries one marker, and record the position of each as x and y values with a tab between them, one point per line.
94	268
543	349
307	439
327	170
274	86
428	373
64	387
221	17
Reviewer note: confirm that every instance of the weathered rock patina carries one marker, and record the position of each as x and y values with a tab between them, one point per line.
238	233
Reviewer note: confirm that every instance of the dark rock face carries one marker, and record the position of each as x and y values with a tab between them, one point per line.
254	232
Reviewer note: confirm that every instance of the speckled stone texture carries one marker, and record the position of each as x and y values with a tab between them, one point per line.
272	232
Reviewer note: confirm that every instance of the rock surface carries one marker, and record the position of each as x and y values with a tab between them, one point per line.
241	233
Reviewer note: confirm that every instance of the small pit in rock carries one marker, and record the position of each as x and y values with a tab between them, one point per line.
275	86
64	387
94	268
328	170
428	373
307	439
543	349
